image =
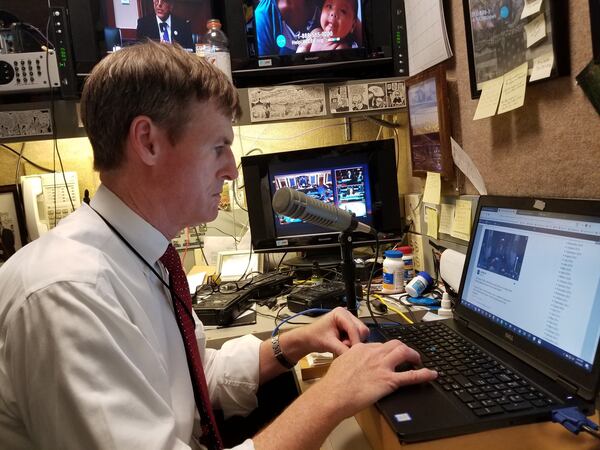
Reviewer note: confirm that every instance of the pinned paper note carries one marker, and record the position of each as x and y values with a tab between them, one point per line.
461	228
513	91
536	30
531	7
468	167
446	218
433	188
431	215
542	67
490	95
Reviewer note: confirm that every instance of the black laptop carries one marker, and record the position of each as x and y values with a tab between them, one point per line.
525	335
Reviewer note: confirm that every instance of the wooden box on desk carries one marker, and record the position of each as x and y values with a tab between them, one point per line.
310	372
537	436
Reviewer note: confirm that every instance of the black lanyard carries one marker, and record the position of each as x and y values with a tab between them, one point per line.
167	285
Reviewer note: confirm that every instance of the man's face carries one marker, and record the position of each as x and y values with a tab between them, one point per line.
163	8
196	166
338	16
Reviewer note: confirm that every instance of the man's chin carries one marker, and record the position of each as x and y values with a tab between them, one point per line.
211	217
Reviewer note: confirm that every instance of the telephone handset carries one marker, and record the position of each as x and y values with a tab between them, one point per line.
38	193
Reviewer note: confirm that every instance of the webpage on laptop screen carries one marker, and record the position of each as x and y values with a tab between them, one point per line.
538	275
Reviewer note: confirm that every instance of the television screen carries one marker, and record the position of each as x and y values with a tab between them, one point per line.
90	29
307	26
318	39
356	177
181	21
346	186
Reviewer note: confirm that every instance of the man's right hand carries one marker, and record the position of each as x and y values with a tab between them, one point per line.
358	378
366	372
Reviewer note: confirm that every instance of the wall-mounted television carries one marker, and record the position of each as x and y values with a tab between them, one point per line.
277	41
357	177
84	31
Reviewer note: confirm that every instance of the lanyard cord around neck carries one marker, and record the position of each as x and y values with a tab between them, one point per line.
132	248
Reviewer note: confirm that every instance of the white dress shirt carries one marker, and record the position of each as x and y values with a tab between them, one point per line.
160	32
90	353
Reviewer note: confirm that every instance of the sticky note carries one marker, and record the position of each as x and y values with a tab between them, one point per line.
490	96
446	218
536	30
513	90
542	67
433	188
461	227
531	7
431	215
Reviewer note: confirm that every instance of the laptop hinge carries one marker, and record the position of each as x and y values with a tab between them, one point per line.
570	387
461	320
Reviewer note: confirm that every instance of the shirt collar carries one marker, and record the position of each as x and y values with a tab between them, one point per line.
146	239
168	21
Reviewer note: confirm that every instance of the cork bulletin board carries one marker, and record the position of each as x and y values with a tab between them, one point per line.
497	43
550	146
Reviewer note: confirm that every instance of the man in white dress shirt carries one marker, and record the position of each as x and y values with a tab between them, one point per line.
91	356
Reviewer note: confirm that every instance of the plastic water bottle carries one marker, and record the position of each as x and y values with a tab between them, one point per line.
214	46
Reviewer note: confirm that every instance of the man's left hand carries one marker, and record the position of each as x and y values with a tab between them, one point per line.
335	332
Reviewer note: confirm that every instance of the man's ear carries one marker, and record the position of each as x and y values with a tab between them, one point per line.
146	138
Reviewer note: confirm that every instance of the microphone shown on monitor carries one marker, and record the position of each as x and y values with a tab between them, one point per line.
297	205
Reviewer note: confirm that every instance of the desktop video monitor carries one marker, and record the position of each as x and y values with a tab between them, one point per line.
357	177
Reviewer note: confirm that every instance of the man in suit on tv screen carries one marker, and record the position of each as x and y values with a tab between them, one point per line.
163	26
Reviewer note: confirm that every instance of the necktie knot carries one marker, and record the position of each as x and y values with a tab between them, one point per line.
164	29
170	260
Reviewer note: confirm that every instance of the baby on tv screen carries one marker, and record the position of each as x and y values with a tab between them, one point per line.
286	27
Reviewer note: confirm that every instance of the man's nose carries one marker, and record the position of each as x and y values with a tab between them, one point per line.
230	171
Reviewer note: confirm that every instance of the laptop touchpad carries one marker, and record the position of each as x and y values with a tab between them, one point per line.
421	408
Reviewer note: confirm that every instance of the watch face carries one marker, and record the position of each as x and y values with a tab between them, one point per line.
279	354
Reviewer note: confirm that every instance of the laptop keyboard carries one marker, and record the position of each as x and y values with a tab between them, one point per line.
482	383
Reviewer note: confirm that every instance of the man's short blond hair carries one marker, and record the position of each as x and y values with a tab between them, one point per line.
160	81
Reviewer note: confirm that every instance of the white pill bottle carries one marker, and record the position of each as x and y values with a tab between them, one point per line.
393	272
418	284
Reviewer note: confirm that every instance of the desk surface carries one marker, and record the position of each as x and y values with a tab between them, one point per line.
368	430
537	436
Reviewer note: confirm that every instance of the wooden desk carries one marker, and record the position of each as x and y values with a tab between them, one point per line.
368	430
538	436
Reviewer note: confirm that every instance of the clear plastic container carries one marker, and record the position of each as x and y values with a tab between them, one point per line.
393	272
214	46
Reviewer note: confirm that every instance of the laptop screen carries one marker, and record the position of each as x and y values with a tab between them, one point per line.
537	274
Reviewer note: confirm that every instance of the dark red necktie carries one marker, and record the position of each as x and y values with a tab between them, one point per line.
182	303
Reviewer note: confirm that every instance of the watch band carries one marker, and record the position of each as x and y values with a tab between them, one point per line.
279	354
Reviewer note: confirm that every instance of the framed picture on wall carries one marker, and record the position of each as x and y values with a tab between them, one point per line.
12	225
429	122
501	36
